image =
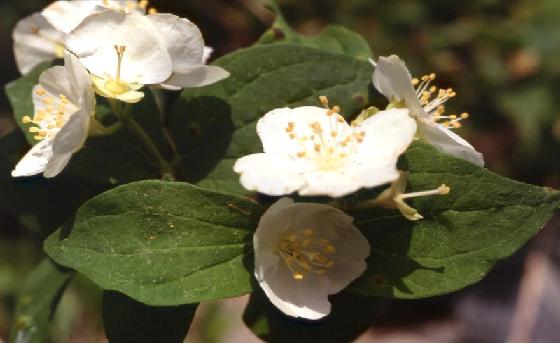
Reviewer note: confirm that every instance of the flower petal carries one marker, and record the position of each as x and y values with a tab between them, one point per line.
450	143
352	249
56	164
349	179
182	38
333	183
392	79
73	134
36	41
388	134
195	76
271	128
36	159
79	77
66	15
306	298
208	51
55	81
131	96
145	59
270	174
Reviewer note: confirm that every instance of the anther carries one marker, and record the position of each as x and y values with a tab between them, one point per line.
443	189
324	101
142	4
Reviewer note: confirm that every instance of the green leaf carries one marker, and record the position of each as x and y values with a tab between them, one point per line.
38	300
19	94
215	125
110	159
335	38
31	199
351	315
484	219
127	320
162	243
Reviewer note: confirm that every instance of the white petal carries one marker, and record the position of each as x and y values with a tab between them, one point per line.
145	59
388	134
334	183
349	179
66	15
392	79
36	159
306	298
450	143
352	249
195	76
269	174
77	75
182	38
55	81
208	51
56	165
73	134
32	48
271	128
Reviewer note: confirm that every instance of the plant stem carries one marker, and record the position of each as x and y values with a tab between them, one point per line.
123	114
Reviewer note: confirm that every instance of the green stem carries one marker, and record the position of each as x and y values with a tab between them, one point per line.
123	114
176	158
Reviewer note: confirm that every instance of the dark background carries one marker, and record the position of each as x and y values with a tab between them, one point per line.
501	56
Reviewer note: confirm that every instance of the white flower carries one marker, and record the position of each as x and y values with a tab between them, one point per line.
394	197
314	151
303	253
426	104
127	51
64	103
40	37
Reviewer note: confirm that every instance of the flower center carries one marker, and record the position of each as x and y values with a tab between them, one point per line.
51	113
304	253
433	99
116	86
58	45
327	147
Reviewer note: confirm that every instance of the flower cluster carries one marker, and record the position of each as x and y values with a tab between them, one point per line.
110	47
304	252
